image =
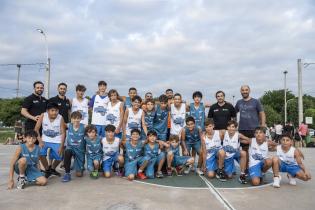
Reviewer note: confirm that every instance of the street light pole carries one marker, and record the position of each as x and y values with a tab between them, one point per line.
285	96
18	80
47	73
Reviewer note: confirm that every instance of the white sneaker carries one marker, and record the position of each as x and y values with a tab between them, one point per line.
187	169
199	171
276	181
292	180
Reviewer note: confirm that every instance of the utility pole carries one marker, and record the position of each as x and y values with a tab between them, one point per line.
285	96
18	80
300	94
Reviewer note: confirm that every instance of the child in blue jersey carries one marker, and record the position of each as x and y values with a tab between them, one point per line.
75	146
93	150
259	162
191	139
213	155
149	114
231	146
128	101
197	110
154	155
175	160
111	156
25	163
160	120
133	118
98	105
289	160
134	157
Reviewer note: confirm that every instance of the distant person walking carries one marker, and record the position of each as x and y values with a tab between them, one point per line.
303	131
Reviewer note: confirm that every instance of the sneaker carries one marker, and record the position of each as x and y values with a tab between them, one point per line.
276	181
246	172
292	180
141	175
54	172
169	171
221	175
179	170
242	179
187	169
96	174
47	173
199	171
159	174
21	183
66	177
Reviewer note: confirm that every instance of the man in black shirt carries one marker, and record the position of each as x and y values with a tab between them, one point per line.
221	112
62	101
33	106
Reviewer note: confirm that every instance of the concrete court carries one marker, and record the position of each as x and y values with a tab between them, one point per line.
118	193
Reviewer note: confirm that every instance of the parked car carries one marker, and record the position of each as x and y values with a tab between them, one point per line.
311	132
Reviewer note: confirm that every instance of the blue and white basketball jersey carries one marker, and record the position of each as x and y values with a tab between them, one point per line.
32	157
93	147
133	152
257	152
148	118
198	114
192	137
113	114
75	138
151	152
177	118
99	110
231	145
160	120
110	149
286	157
213	144
128	103
133	121
83	108
51	130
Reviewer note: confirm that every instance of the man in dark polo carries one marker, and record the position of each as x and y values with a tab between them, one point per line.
62	101
221	112
33	106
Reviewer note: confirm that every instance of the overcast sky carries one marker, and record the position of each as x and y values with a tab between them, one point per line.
154	45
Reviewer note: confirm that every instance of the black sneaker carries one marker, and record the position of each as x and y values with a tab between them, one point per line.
54	172
242	179
47	173
246	172
21	183
221	175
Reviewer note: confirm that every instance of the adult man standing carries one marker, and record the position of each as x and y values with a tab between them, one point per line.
251	116
62	101
221	112
34	105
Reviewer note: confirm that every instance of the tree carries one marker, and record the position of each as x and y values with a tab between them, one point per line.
10	110
272	116
275	99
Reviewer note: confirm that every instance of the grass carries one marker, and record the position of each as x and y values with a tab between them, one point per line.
5	133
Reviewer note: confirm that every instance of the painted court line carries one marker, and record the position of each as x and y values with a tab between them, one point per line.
217	194
166	186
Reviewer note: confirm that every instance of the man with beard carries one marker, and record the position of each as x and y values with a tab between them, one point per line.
33	106
221	112
170	100
62	101
251	116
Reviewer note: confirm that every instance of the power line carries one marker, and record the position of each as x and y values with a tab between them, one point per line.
22	64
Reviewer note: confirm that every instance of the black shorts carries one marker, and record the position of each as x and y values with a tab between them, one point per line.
248	134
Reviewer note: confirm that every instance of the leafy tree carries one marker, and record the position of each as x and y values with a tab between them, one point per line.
10	110
272	116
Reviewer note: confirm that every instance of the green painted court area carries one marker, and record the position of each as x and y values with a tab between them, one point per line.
194	181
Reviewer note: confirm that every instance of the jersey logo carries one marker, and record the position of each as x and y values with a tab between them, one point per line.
229	148
101	110
51	133
257	156
111	118
179	121
133	125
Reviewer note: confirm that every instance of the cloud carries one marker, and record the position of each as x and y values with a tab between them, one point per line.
154	45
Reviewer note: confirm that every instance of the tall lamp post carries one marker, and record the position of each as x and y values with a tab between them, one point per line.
47	73
285	96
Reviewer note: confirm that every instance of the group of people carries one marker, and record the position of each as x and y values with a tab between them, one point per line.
138	139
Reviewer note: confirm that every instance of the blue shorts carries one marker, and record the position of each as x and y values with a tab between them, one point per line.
108	163
131	167
149	172
195	145
54	147
100	130
90	159
290	169
229	166
31	172
79	159
211	163
256	170
162	136
180	160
